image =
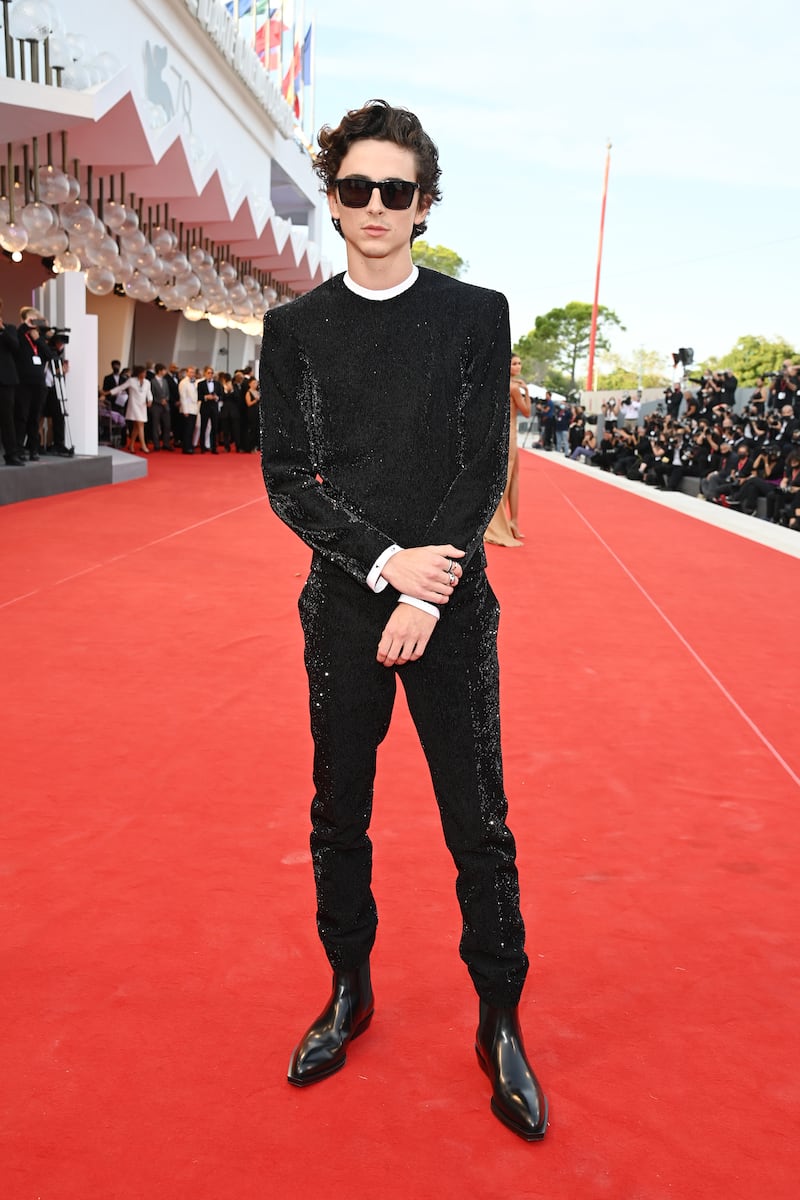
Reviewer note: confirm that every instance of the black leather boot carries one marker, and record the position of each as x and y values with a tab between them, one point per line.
518	1099
323	1048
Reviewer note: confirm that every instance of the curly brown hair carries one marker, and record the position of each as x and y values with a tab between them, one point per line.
381	121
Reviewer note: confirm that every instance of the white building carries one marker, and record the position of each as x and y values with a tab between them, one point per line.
192	203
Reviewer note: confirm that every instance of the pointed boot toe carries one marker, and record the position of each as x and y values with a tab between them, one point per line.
517	1100
323	1048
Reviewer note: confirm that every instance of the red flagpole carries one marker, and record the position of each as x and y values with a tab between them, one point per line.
596	305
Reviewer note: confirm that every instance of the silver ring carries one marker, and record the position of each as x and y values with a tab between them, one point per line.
450	565
451	578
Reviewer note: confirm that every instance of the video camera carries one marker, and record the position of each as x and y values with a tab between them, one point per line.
53	335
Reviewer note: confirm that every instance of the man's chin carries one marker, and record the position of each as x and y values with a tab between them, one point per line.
376	249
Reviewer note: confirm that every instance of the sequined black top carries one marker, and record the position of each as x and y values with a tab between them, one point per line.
386	421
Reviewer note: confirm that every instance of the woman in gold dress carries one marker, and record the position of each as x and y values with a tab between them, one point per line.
503	529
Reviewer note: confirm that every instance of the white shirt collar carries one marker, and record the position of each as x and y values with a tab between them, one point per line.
381	293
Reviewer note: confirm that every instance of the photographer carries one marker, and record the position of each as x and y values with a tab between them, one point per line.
610	411
785	386
32	354
673	398
546	413
564	420
740	470
587	448
764	480
702	452
608	450
679	458
786	496
576	428
756	428
55	371
9	350
713	398
788	427
629	411
729	385
659	463
713	483
635	450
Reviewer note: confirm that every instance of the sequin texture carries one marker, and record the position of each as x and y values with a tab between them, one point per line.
387	422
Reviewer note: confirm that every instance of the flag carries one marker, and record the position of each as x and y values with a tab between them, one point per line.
268	36
246	6
305	58
293	80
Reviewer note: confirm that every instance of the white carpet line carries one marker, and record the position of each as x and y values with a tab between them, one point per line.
107	562
785	541
700	662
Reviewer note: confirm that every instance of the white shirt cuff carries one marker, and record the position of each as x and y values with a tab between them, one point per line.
375	580
421	604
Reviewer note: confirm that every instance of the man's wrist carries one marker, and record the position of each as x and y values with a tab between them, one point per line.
422	605
375	580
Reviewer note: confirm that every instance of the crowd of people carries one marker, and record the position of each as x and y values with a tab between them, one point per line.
158	407
737	458
31	388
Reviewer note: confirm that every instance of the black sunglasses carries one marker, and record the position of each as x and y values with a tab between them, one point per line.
396	194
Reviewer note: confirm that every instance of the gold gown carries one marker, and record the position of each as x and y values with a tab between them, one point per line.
499	531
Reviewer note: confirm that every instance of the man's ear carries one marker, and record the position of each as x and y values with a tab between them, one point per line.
423	209
333	204
333	207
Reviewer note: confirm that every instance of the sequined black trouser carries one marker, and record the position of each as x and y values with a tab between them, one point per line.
452	694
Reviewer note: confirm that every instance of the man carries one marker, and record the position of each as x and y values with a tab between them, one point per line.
33	354
9	380
160	422
629	410
113	380
674	399
546	411
384	445
209	409
172	380
713	482
785	386
187	399
608	450
240	385
229	425
55	377
564	418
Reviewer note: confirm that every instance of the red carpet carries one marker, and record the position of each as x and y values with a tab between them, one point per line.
158	945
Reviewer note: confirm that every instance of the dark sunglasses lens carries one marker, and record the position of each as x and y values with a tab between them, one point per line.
355	193
397	194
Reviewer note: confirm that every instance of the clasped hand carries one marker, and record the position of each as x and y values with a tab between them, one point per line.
426	572
429	573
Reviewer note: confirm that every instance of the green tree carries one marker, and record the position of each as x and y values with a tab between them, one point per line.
438	258
537	361
644	368
560	337
751	357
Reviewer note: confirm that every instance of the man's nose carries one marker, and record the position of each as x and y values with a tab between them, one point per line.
375	199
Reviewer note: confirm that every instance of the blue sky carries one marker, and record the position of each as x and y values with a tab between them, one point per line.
700	101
